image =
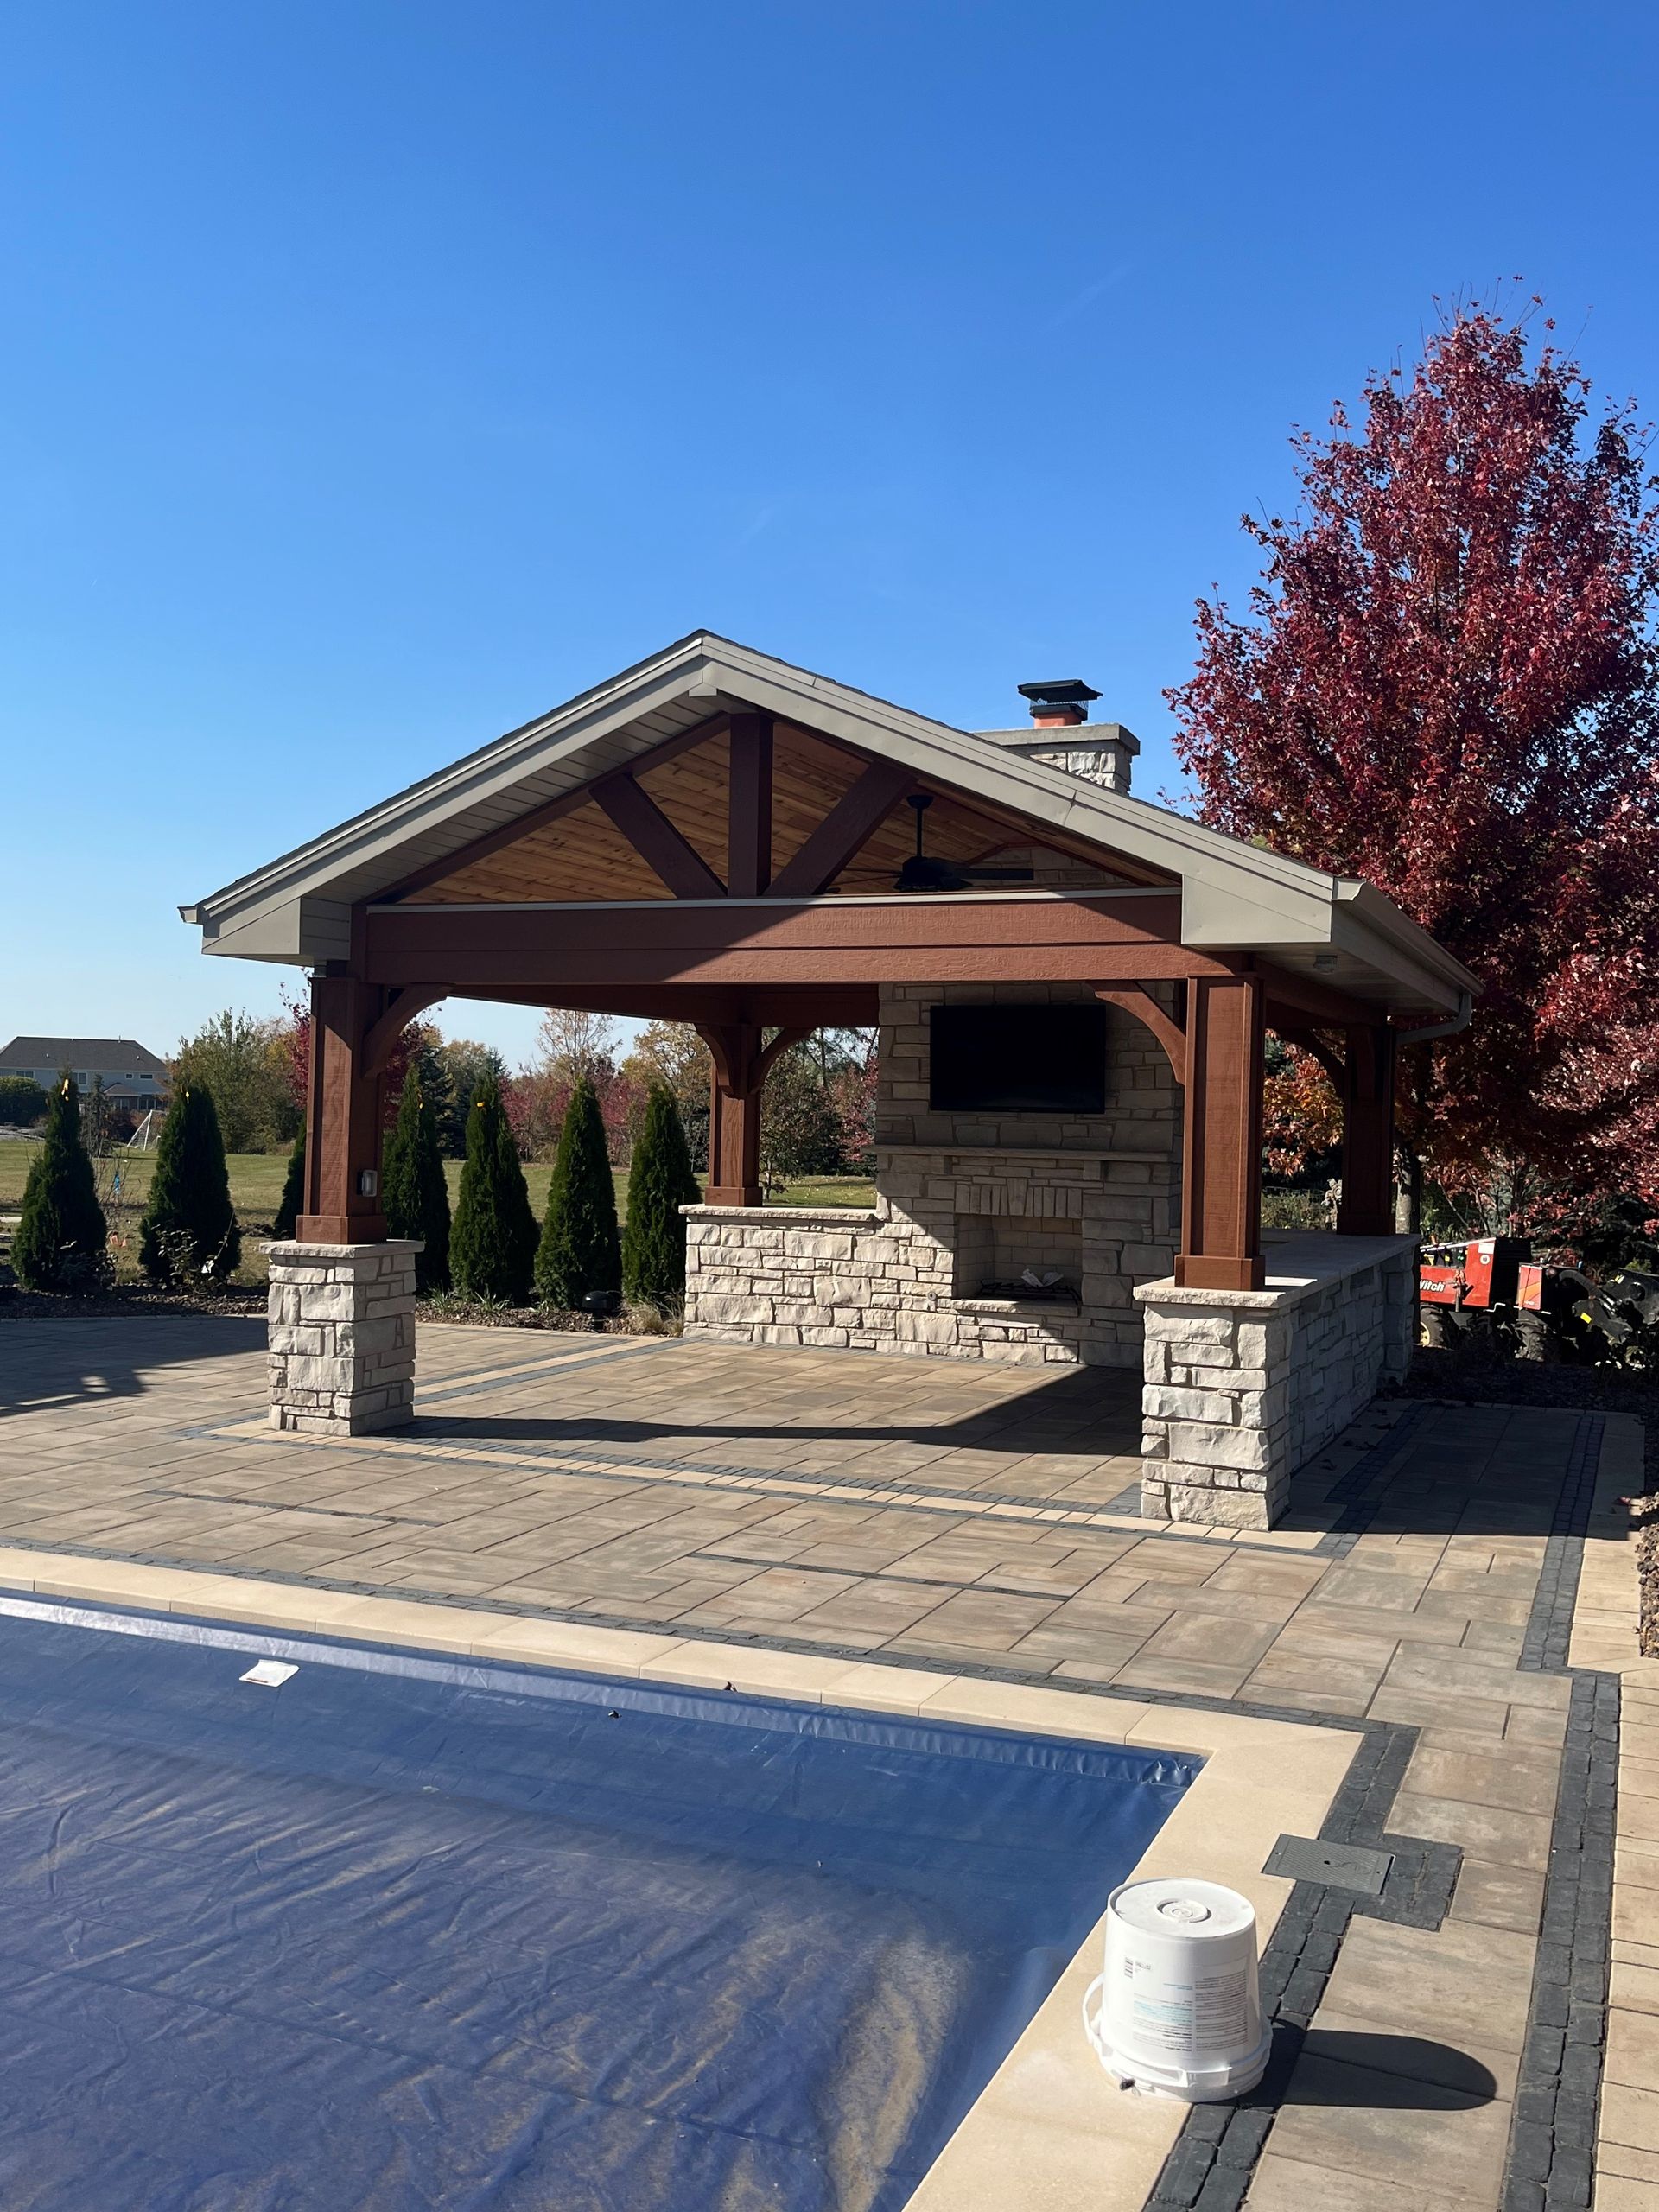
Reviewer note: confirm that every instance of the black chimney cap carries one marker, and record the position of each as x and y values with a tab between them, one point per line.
1067	691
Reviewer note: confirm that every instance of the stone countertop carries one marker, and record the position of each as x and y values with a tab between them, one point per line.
1299	1261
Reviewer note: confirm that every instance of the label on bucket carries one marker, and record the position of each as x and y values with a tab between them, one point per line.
1210	2012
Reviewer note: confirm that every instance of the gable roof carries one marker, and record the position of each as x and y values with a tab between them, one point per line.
1234	896
81	1053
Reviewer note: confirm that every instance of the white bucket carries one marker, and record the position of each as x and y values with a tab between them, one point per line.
1180	2001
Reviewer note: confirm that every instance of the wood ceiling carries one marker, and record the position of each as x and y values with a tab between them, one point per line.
582	855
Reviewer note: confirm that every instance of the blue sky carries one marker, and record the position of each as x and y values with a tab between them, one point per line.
374	376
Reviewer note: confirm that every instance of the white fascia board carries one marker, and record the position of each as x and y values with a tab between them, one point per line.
1370	926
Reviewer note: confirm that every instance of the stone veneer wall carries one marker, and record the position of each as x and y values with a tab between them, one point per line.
1034	1189
1244	1387
341	1336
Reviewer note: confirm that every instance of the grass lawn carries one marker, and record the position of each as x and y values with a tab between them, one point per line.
256	1187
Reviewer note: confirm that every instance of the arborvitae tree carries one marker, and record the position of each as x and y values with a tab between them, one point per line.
660	1182
59	1242
293	1197
492	1243
189	1227
580	1262
412	1188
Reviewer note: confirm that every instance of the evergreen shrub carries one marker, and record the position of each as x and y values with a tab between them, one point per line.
578	1264
293	1198
60	1241
660	1182
188	1235
493	1243
415	1196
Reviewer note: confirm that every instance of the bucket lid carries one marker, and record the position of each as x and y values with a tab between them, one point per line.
1185	1909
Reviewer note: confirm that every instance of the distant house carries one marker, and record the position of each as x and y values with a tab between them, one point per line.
133	1078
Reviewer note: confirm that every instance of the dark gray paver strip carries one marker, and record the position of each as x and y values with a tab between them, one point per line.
1549	2167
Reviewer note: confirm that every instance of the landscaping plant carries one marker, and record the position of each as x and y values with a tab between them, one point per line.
293	1198
579	1263
61	1240
660	1182
493	1243
188	1235
413	1192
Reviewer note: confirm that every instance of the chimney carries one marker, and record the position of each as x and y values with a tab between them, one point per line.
1062	735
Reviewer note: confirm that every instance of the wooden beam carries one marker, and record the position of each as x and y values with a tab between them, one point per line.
830	944
848	1007
550	810
1309	1040
748	818
408	1003
1137	1001
655	840
848	827
1221	1180
779	1045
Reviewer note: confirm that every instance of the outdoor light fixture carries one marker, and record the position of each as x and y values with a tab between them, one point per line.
368	1182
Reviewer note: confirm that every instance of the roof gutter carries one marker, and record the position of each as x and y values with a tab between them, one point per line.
1457	1022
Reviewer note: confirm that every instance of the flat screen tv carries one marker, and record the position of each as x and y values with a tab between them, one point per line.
1018	1059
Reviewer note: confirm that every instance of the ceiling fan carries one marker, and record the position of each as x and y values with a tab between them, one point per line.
920	873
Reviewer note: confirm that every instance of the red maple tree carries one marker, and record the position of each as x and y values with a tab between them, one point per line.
1447	683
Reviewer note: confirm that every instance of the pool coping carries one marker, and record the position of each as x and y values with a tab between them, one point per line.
1051	2126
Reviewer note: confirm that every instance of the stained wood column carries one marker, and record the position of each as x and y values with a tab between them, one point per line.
748	841
1221	1191
343	1117
1366	1206
734	1112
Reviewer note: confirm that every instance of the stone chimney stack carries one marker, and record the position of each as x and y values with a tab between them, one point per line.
1062	736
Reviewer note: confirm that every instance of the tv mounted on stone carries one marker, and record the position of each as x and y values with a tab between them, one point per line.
1017	1059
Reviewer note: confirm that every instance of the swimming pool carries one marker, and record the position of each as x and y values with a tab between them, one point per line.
406	1933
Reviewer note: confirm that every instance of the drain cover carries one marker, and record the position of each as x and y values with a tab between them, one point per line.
1338	1865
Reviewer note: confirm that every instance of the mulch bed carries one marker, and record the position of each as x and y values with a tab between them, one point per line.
124	1299
1458	1378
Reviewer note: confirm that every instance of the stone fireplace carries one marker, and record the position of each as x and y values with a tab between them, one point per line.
964	1202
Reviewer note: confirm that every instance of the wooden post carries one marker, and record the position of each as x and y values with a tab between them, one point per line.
343	1118
735	1113
748	839
1221	1190
1366	1206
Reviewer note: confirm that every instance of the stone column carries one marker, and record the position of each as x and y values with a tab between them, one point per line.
342	1336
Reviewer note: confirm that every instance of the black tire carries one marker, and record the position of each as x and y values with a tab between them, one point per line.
1442	1328
1536	1339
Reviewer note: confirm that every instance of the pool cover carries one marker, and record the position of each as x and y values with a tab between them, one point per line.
400	1934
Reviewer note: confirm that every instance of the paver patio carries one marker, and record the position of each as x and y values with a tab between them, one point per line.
953	1514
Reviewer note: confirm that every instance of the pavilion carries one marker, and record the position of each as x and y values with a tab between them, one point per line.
717	837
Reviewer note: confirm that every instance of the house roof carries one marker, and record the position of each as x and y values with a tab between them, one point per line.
1234	896
81	1053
